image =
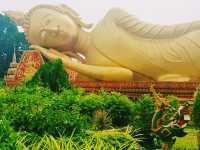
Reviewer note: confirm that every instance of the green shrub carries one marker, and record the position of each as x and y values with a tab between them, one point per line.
196	110
113	139
102	120
51	75
143	111
90	103
23	103
101	140
174	101
3	94
119	108
196	114
2	83
61	118
8	136
39	110
28	139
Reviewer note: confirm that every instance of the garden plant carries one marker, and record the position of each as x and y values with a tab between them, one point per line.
196	114
35	116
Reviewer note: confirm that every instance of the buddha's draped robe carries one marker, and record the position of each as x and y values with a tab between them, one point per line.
150	49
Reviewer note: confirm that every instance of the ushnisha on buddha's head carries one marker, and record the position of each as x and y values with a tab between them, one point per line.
53	26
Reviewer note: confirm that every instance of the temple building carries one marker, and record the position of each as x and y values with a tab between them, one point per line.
29	63
10	76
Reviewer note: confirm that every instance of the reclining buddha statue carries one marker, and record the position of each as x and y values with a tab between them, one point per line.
119	48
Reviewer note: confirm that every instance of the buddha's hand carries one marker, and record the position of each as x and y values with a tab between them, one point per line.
50	54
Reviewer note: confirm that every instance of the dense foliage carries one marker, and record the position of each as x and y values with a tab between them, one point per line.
52	75
7	136
174	101
143	111
39	110
142	117
119	107
10	39
90	103
37	114
101	140
196	110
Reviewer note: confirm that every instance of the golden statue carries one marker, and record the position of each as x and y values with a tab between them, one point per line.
119	48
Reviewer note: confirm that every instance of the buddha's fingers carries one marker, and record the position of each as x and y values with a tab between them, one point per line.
56	52
60	55
45	52
39	48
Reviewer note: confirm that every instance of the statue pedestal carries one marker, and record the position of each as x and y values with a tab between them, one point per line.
183	90
32	60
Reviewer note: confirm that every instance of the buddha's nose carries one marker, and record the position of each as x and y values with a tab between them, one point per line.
52	29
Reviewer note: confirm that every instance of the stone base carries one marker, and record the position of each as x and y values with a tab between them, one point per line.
183	90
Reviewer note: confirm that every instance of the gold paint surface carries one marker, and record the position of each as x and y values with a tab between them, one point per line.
119	48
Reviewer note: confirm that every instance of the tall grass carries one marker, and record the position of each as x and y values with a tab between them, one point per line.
189	142
100	140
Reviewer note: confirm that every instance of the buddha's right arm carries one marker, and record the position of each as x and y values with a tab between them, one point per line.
95	72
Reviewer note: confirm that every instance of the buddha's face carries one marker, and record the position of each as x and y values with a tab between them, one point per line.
52	29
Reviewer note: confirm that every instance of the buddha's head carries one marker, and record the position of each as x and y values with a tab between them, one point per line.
53	26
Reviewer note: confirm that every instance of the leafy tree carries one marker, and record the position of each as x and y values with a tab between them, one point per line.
10	39
52	75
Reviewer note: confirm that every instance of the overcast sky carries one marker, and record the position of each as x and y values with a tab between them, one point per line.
155	11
